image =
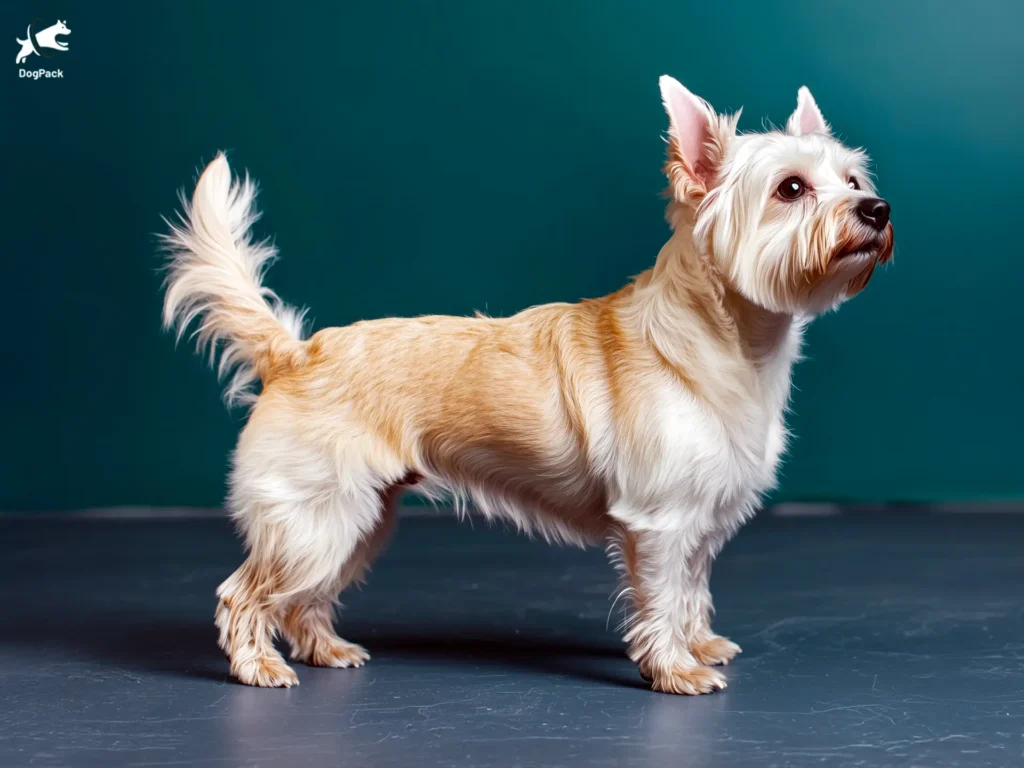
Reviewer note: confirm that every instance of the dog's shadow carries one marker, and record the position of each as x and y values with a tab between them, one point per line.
456	648
186	647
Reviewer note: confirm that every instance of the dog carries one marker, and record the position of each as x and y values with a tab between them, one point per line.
46	38
650	420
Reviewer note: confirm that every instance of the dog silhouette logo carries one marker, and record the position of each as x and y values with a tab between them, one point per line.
38	41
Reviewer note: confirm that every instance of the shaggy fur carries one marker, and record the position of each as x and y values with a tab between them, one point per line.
650	420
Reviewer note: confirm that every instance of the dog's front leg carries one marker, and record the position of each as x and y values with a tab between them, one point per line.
667	581
707	647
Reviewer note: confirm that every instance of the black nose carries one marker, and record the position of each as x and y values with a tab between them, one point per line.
874	212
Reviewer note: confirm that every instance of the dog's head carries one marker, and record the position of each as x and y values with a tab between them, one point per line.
790	218
60	28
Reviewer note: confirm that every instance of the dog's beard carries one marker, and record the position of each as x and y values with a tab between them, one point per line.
797	266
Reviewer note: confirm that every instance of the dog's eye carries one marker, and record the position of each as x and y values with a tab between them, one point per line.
792	188
853	183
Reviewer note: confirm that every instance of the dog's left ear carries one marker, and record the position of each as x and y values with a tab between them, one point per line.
698	139
807	118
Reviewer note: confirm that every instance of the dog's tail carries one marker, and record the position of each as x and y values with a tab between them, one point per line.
214	274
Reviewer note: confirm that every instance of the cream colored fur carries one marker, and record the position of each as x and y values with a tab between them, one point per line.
650	420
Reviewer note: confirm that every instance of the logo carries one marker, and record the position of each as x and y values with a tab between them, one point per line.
36	44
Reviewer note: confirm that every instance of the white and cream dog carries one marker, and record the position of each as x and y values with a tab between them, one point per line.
651	420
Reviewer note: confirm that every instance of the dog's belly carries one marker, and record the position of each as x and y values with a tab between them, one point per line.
519	464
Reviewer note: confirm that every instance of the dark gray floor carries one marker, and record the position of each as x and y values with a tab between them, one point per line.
870	641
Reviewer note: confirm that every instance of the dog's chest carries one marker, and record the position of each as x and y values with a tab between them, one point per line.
717	456
714	459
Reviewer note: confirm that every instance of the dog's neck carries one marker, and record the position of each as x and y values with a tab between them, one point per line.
689	275
762	331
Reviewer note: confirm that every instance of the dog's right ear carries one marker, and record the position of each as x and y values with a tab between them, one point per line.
698	139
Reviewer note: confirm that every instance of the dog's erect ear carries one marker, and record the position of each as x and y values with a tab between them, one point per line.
807	118
697	140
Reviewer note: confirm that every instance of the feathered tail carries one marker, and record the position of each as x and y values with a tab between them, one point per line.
215	272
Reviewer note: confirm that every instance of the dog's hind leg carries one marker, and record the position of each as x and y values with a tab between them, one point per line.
293	552
303	520
247	617
308	621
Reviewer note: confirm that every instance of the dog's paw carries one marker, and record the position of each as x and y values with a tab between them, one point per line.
335	652
714	651
688	681
265	672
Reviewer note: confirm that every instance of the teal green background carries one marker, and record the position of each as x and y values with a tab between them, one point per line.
422	157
